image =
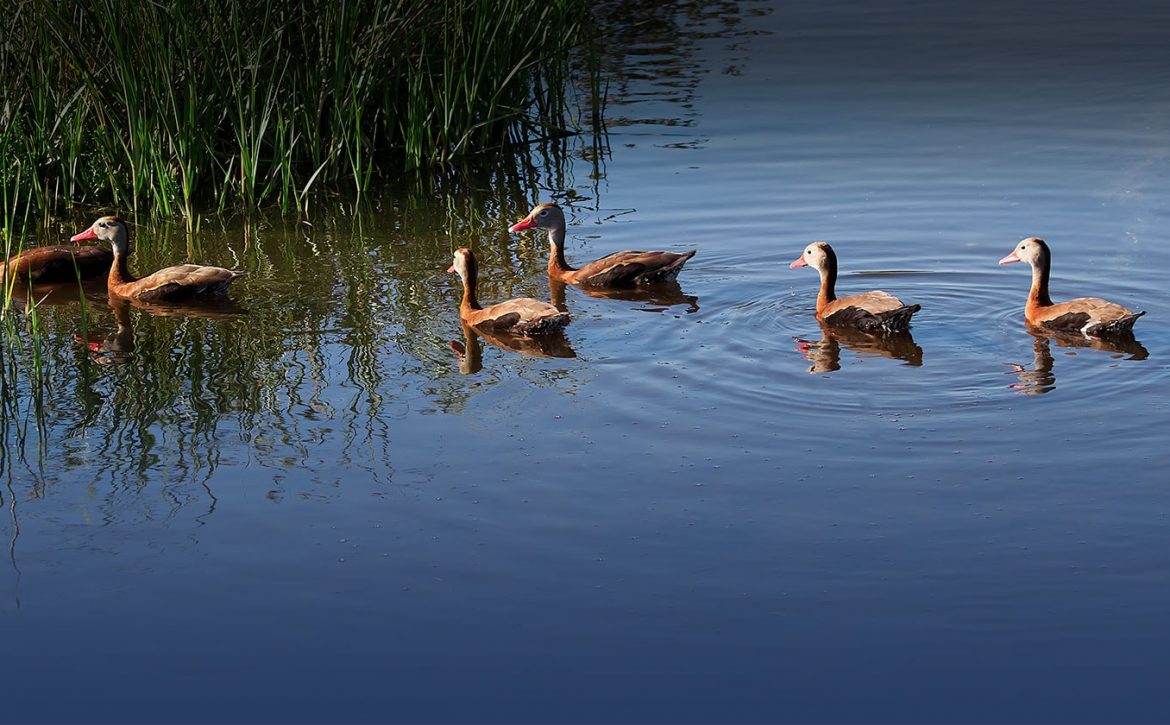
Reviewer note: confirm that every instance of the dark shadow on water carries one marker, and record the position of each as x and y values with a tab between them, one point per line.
657	297
1040	378
825	354
58	293
470	351
211	308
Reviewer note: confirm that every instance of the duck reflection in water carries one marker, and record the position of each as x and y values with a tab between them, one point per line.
1040	378
116	347
825	354
658	297
470	352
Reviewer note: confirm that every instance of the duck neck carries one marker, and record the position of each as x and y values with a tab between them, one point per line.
1038	295
120	270
470	301
828	291
556	252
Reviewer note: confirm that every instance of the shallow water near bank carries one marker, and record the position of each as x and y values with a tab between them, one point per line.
306	506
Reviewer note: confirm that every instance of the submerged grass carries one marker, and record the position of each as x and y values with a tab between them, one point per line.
166	106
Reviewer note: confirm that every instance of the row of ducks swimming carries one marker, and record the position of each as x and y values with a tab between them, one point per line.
873	311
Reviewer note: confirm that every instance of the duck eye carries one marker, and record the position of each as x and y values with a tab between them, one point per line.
543	213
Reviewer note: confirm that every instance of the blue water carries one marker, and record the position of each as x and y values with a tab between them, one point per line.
682	523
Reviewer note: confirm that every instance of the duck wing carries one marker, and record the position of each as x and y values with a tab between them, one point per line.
181	280
631	267
523	315
875	311
1089	315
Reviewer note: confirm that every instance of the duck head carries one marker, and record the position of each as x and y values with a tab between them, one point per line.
107	229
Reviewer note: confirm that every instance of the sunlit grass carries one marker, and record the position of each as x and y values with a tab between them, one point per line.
168	107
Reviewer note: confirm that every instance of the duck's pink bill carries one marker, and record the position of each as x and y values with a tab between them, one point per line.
1009	259
522	225
451	268
798	263
87	234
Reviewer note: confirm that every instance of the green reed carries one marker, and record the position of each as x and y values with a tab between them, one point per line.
168	106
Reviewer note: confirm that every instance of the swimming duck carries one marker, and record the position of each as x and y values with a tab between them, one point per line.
620	269
1088	315
171	283
873	311
522	315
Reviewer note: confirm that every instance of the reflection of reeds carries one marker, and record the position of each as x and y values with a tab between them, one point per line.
164	106
340	331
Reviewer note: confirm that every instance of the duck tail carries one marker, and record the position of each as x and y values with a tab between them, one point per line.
895	320
1115	327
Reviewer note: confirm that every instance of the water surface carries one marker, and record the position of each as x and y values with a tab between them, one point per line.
306	506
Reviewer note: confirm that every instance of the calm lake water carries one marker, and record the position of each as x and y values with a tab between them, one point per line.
304	506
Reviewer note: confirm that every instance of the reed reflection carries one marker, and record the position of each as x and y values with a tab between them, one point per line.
470	351
825	354
1041	377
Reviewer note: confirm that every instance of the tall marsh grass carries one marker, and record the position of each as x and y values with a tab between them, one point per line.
169	106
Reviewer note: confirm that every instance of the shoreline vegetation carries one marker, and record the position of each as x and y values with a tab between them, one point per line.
172	108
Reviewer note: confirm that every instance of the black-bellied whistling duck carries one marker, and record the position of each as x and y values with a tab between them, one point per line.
522	316
1088	315
620	269
874	311
60	263
182	281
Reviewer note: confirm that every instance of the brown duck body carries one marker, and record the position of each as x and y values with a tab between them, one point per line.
520	316
60	263
874	311
627	268
180	282
1087	315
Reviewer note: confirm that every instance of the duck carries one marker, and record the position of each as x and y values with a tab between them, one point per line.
179	282
620	269
520	316
1091	316
59	263
874	311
